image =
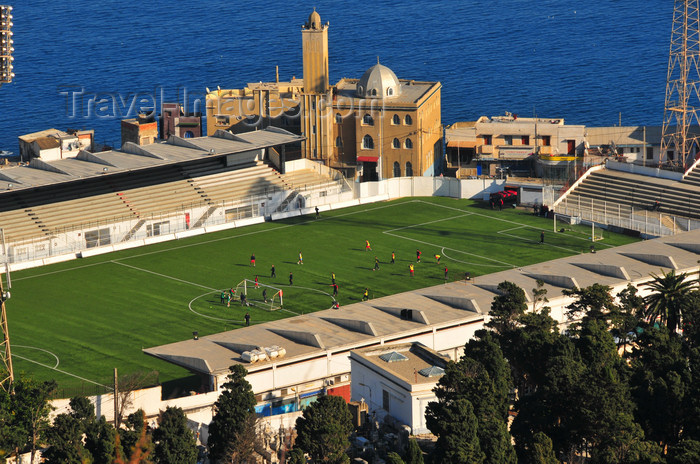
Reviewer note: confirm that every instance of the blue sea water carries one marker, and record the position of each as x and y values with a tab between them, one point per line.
584	61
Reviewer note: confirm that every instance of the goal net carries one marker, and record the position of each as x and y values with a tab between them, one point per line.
261	296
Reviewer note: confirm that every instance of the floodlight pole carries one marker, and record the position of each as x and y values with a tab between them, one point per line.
8	376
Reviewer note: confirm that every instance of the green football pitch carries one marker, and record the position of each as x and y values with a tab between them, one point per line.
76	321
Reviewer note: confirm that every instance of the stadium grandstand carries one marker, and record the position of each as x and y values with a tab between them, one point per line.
96	199
650	201
292	361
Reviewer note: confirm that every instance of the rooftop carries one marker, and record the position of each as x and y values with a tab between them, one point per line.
39	173
385	319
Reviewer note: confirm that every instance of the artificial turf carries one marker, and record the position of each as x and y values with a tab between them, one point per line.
76	321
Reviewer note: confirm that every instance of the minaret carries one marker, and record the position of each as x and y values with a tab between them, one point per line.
315	46
316	123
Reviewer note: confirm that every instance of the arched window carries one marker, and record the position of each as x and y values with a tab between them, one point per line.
360	89
408	143
408	120
396	143
367	142
397	169
409	169
338	141
389	91
374	92
189	134
338	118
396	120
368	120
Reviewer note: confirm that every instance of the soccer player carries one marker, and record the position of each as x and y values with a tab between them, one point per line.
252	260
367	247
365	295
228	300
264	295
445	273
437	258
410	269
291	278
393	257
336	305
223	297
257	284
317	215
542	237
244	300
272	272
418	253
333	278
301	259
376	264
335	289
247	319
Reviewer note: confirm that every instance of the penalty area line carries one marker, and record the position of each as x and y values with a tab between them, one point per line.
62	371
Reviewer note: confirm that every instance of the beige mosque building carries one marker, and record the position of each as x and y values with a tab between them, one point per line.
372	128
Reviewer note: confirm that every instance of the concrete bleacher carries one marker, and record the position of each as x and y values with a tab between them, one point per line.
140	195
616	192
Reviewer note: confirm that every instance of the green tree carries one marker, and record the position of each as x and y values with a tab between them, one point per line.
64	438
540	450
455	425
685	452
394	458
594	302
485	349
234	412
296	456
324	430
507	307
670	298
11	437
135	438
100	440
414	455
31	408
662	385
174	441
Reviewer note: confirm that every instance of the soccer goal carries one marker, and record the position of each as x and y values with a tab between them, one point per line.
254	295
596	233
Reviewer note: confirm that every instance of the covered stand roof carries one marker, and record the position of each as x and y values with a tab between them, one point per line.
386	319
131	157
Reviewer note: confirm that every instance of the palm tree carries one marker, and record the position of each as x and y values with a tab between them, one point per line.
669	300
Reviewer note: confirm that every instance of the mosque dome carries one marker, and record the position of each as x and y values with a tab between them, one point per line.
378	82
314	21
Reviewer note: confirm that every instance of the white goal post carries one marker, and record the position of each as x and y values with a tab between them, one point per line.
254	294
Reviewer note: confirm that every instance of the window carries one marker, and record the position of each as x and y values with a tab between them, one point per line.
669	155
525	140
408	120
367	142
313	105
396	143
315	153
158	228
408	143
222	120
409	169
189	134
508	140
313	129
396	120
389	91
650	153
374	92
397	169
385	400
571	147
487	139
338	141
546	140
368	120
338	118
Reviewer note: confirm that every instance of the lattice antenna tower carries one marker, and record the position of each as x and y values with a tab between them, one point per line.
682	85
7	374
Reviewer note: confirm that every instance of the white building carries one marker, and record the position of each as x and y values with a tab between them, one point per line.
398	379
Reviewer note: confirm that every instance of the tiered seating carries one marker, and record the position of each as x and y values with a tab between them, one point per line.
159	191
305	179
605	190
235	184
693	177
16	222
